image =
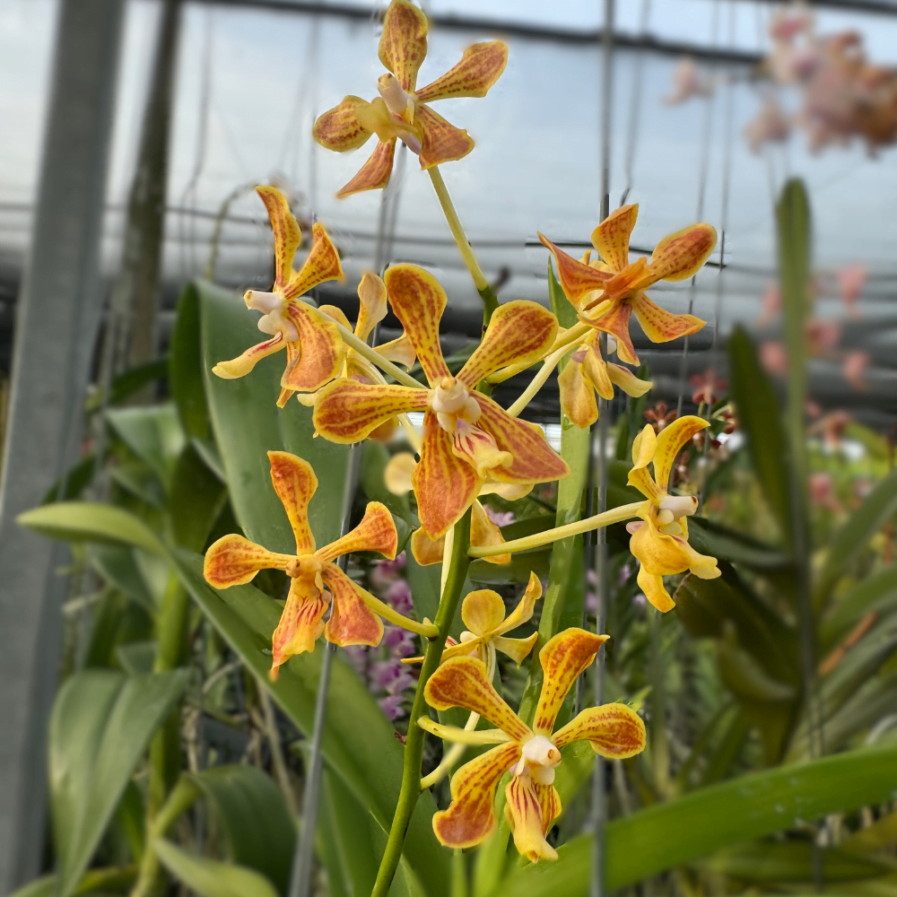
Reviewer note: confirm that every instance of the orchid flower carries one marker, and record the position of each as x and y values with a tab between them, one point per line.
315	581
467	437
315	350
605	293
660	539
483	613
401	111
530	754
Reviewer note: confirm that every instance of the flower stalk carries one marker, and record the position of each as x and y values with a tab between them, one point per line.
414	744
375	358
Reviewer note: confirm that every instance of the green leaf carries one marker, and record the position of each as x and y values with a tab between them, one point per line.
101	724
880	505
128	382
253	816
374	459
185	367
83	521
247	424
118	566
685	829
877	592
153	434
358	744
197	497
710	537
211	878
759	417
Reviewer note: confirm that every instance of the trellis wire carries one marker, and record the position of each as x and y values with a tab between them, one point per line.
704	168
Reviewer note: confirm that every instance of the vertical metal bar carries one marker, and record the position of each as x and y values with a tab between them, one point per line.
599	810
56	317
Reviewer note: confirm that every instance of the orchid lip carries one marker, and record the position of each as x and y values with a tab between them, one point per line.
679	505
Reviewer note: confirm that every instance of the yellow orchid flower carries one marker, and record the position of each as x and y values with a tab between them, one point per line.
483	613
607	292
315	350
467	437
660	542
234	560
401	111
531	754
483	531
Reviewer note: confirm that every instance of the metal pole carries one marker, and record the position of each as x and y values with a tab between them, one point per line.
56	317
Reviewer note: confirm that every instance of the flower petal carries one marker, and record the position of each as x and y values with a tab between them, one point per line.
403	43
418	301
681	255
318	355
533	459
375	532
517	649
670	442
240	367
478	448
519	332
563	658
286	233
523	612
665	555
643	447
484	532
615	321
300	624
233	560
339	129
321	264
549	804
577	395
456	735
464	682
372	304
627	381
397	475
661	326
480	67
444	484
440	140
400	350
346	411
470	817
614	731
337	314
295	483
483	611
351	622
375	173
596	370
611	237
652	585
577	279
425	549
523	810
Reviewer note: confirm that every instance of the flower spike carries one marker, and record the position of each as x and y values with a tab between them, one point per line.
660	539
315	351
401	111
533	804
315	581
608	291
467	437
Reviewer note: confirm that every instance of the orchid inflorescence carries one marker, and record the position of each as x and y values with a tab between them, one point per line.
469	447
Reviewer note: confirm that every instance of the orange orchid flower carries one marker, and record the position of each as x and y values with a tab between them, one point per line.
661	541
315	581
531	754
401	111
315	350
608	291
467	436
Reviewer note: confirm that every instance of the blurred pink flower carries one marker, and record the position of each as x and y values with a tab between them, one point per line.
687	83
822	335
770	305
499	518
707	387
771	125
788	22
854	365
822	491
851	280
774	358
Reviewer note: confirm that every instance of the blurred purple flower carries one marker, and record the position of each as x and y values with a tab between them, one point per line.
499	518
391	705
399	596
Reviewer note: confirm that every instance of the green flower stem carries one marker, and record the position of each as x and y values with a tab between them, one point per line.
427	630
374	357
571	336
490	303
414	744
538	381
614	515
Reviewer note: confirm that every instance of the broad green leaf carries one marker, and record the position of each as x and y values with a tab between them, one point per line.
685	829
374	459
101	724
877	593
759	416
248	424
153	434
83	521
358	744
185	370
211	878
253	816
880	505
128	382
196	499
117	565
709	537
45	886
